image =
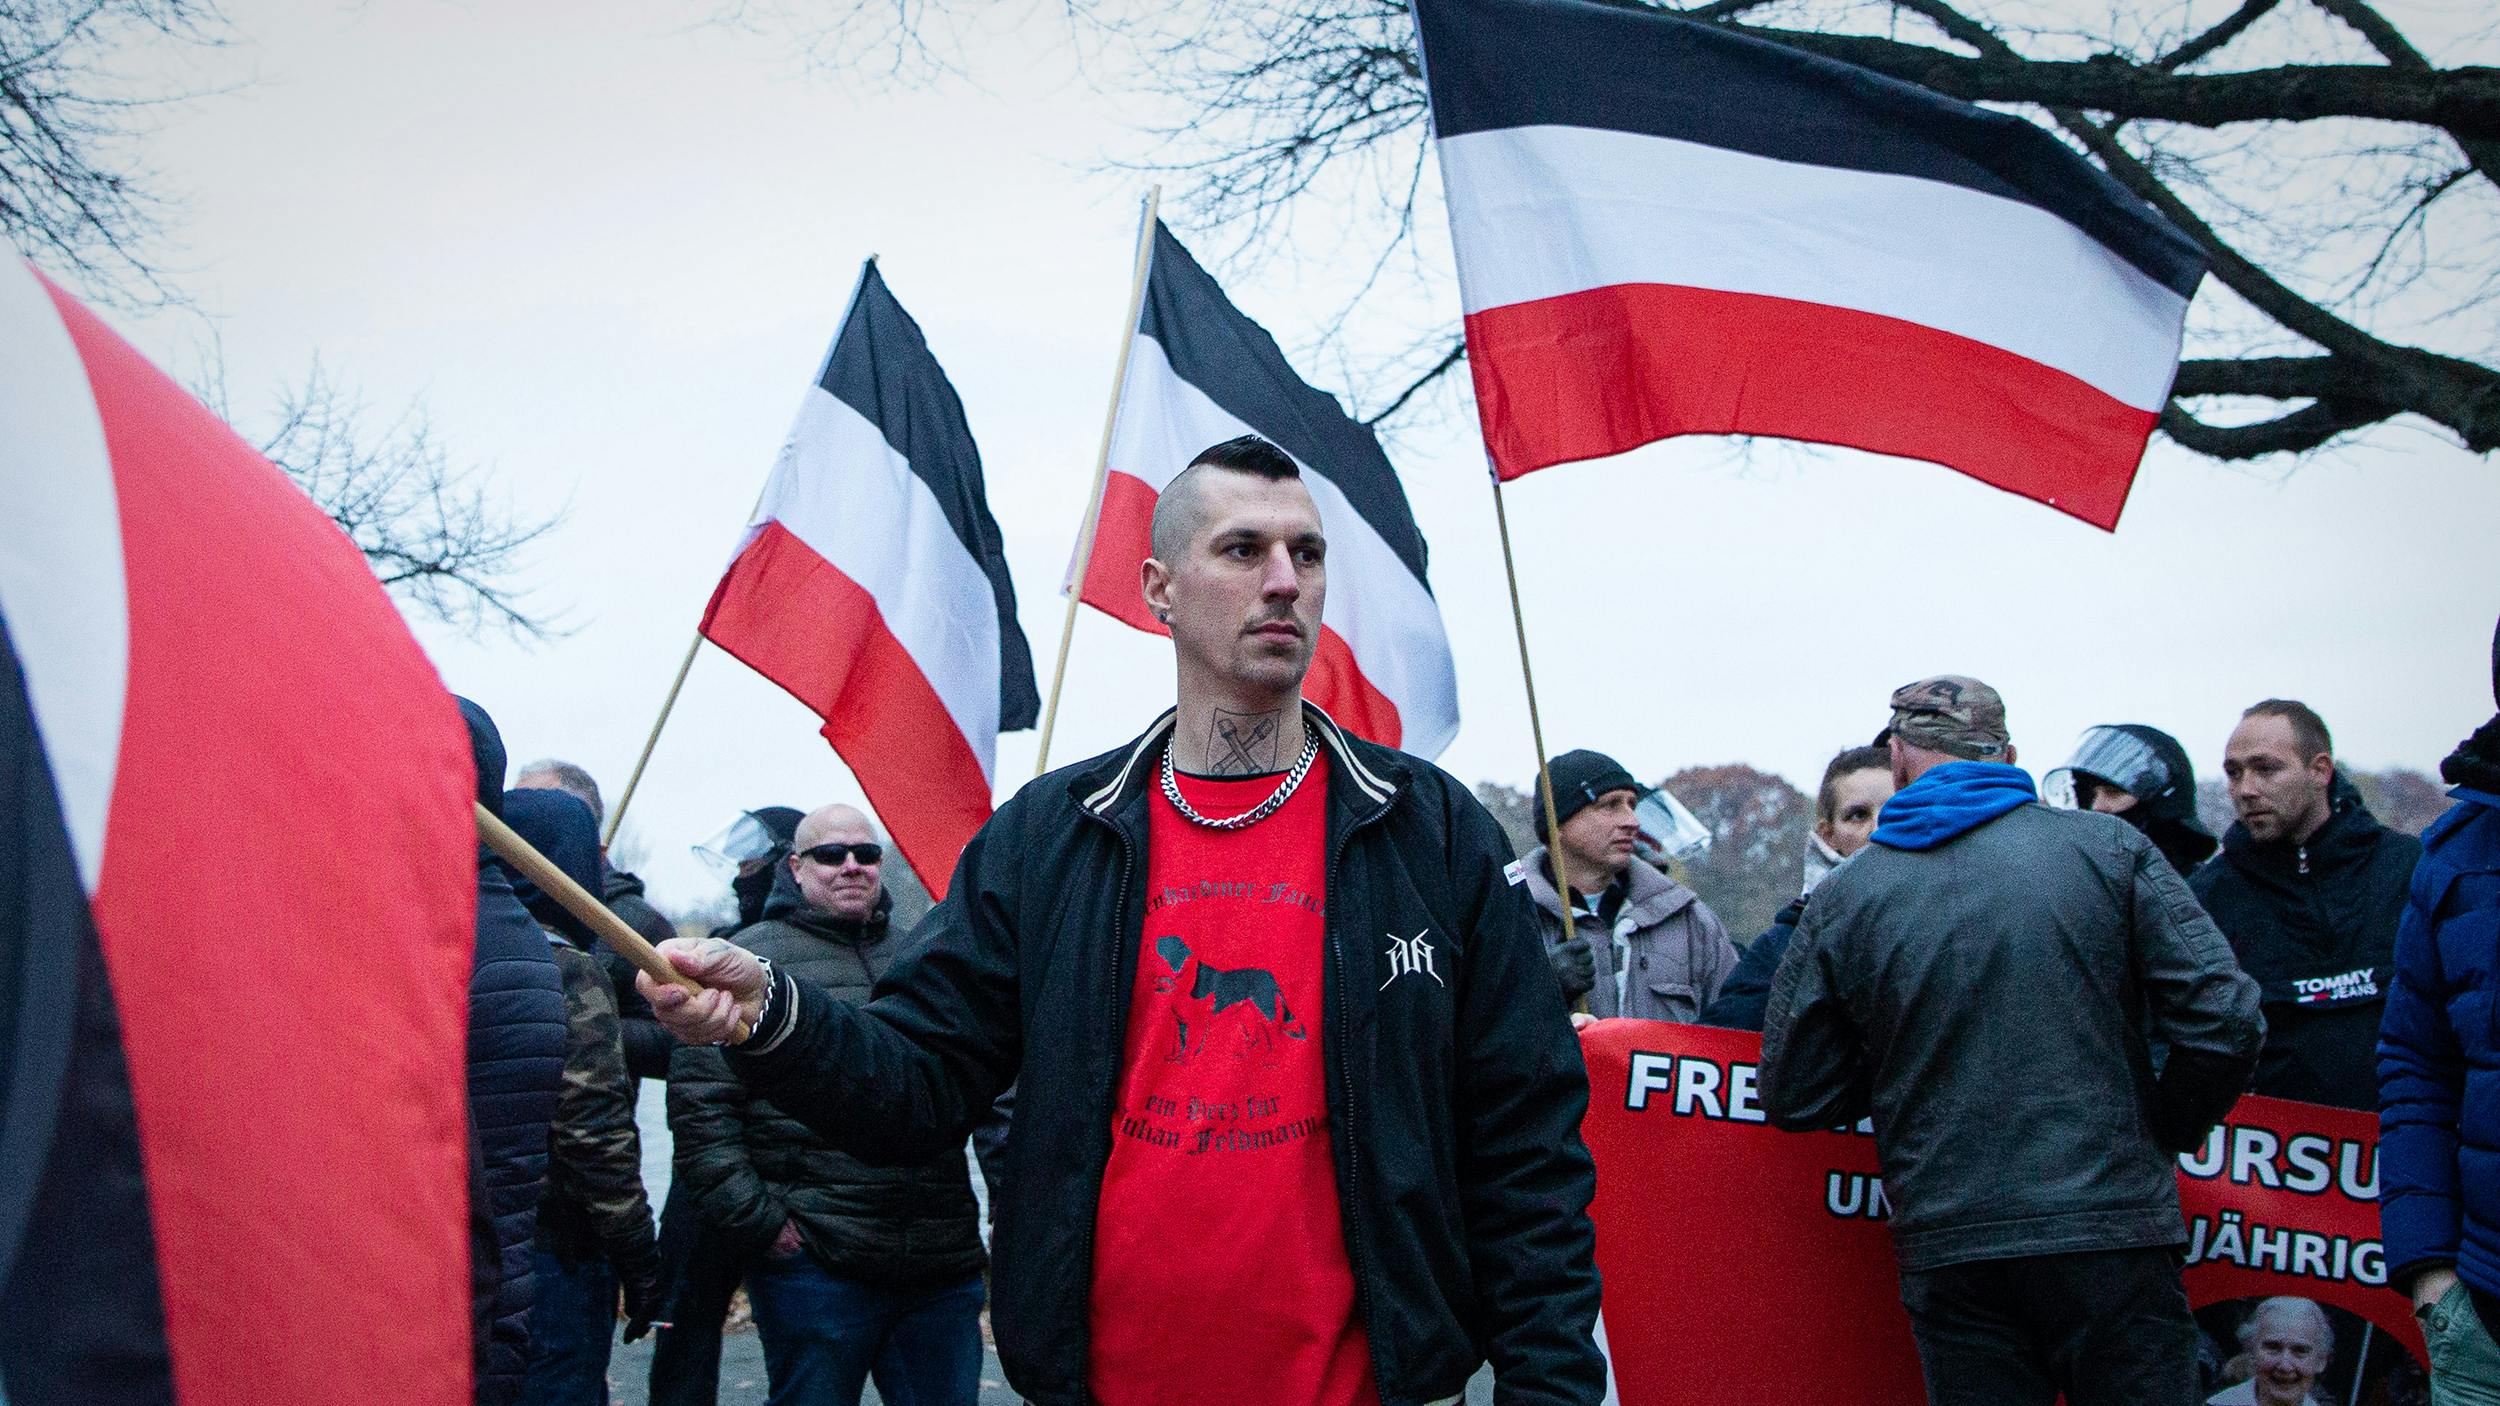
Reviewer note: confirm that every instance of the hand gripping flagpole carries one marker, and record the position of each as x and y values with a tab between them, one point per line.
616	814
1536	728
1102	470
558	885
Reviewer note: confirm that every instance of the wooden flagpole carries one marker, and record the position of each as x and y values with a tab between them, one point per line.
1102	471
616	814
1536	728
558	885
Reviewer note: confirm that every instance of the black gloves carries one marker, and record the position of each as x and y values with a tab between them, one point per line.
1574	966
642	1299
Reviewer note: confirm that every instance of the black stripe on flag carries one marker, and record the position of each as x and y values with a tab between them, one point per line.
81	1317
1234	361
881	367
1492	64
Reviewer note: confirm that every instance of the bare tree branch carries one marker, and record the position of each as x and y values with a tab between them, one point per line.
2249	12
1456	354
70	196
2462	101
433	533
2296	433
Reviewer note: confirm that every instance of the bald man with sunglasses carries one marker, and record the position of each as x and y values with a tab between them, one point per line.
854	1270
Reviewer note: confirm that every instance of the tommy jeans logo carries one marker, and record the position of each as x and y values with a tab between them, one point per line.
1409	955
2345	986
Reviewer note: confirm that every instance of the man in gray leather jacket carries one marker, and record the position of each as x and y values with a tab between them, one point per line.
1989	979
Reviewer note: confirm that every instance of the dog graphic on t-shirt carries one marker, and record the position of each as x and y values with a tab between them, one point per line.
1241	1012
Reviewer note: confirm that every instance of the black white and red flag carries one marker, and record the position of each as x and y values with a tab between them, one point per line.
1200	373
872	585
1665	228
237	885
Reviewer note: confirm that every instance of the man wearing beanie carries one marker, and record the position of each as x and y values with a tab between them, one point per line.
1636	943
1987	979
2439	1081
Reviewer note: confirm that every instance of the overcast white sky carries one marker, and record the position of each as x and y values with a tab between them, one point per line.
606	244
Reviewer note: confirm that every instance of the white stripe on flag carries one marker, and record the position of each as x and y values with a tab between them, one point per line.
842	490
1386	617
1537	212
61	586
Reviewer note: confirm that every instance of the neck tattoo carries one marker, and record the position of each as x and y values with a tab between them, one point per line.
1283	793
1244	744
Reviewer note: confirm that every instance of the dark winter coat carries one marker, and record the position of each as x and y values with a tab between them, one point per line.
1454	1093
647	1046
2315	923
595	1205
1993	1000
2439	1057
1748	989
515	1063
752	1167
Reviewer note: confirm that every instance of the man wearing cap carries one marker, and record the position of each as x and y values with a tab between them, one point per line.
1987	979
1637	943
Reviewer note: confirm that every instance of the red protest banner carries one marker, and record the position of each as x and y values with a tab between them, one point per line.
1742	1263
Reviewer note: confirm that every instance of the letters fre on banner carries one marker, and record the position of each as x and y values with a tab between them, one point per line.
1777	1241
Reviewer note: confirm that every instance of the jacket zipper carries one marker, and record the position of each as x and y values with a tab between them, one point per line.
1349	1196
1111	1022
2304	859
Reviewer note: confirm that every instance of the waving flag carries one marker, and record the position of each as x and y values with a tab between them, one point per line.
1201	373
872	585
237	875
1666	228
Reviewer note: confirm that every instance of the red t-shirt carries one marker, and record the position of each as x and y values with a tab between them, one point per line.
1219	1262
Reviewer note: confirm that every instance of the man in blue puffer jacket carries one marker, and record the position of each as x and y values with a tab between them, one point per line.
516	1062
2439	1082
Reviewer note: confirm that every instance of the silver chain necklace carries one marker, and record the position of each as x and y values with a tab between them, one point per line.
1261	811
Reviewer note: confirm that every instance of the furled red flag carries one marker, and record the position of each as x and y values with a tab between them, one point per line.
872	585
237	880
1666	228
1201	373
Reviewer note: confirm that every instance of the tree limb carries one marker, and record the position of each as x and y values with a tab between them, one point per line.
2481	149
2302	430
2212	39
2462	101
1449	360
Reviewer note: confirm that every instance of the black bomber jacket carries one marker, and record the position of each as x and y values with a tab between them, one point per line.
1455	1088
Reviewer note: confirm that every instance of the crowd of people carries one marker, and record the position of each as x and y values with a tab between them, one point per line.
1265	1041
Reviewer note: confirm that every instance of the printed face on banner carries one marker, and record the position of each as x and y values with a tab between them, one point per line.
2280	1241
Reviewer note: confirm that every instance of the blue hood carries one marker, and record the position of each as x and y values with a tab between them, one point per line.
559	827
1950	801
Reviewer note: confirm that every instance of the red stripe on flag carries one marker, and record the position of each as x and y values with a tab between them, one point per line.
1123	537
791	616
287	911
1337	685
1598	372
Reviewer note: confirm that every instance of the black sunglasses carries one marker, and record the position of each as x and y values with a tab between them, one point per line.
831	855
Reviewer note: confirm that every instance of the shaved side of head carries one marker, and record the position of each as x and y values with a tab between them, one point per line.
830	823
1180	509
